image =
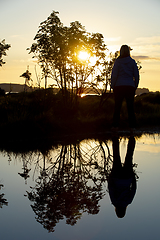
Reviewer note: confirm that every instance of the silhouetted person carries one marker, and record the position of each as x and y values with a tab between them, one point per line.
124	82
122	181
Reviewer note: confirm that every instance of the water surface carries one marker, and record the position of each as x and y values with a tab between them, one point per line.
62	194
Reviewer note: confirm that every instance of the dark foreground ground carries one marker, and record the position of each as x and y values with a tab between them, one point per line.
39	118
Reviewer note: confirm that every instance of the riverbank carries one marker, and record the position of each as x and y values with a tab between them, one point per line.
43	115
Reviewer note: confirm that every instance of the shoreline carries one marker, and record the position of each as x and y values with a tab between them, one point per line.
44	144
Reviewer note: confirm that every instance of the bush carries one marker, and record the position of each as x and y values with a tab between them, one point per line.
42	114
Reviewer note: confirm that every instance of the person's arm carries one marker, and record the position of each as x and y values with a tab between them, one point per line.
132	190
136	74
114	75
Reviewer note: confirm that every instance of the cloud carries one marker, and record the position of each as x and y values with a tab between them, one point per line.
145	58
154	40
146	48
141	57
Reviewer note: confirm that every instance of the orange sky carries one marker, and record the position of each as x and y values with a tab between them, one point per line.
134	23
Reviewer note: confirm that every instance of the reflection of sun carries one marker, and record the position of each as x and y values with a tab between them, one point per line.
83	55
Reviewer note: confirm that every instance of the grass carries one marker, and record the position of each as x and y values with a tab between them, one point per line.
147	108
43	115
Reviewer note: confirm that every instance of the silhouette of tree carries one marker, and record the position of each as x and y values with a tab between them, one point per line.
26	170
64	188
3	48
27	76
70	181
3	201
57	48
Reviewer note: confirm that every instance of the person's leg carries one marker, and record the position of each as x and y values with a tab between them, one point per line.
118	97
128	165
130	93
117	166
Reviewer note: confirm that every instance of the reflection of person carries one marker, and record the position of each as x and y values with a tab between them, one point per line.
124	81
122	181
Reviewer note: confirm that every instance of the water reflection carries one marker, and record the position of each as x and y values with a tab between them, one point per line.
122	180
70	185
26	159
71	179
3	201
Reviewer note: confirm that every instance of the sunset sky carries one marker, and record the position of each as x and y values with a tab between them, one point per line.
135	23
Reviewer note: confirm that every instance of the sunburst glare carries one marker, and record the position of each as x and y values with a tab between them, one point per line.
83	55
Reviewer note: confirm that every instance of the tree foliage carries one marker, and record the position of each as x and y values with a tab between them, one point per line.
57	47
3	48
28	80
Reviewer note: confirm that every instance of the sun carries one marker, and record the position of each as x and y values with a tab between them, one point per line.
86	57
83	55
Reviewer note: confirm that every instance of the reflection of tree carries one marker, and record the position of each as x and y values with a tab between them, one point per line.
26	170
71	184
26	159
70	180
3	201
